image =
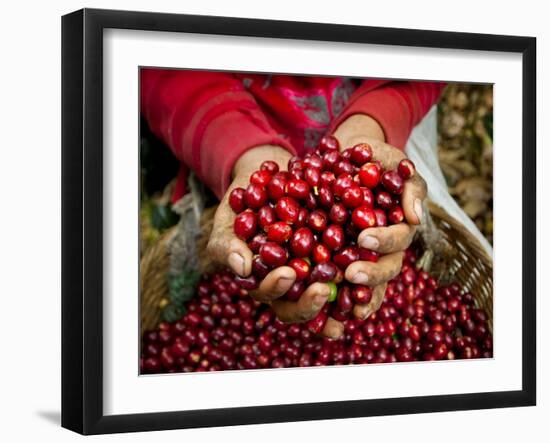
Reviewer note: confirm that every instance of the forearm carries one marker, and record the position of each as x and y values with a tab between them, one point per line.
396	106
208	119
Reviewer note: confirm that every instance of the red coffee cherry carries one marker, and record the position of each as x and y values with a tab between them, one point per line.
406	169
273	254
260	178
333	237
363	217
270	166
255	196
236	200
329	143
287	210
278	232
392	181
245	225
361	154
369	174
302	242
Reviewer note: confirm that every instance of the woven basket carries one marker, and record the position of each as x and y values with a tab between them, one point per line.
456	256
153	280
155	265
463	260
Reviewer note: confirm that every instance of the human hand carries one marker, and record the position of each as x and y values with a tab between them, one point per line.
226	248
390	241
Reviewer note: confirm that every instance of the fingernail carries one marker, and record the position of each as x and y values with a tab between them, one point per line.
236	262
283	284
417	207
370	242
360	278
319	301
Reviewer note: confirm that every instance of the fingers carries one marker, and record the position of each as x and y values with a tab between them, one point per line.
224	247
387	239
275	284
230	251
414	193
373	274
333	329
386	154
307	307
415	189
363	311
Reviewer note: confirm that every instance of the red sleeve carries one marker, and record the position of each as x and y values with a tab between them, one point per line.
397	106
208	120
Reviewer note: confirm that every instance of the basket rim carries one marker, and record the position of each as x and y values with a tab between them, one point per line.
441	213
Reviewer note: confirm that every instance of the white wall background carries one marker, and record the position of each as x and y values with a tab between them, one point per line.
30	189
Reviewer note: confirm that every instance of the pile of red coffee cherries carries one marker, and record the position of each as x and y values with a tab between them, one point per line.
310	216
226	329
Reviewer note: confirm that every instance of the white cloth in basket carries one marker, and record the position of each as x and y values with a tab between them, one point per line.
421	148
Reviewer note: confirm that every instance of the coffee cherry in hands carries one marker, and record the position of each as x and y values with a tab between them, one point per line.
309	216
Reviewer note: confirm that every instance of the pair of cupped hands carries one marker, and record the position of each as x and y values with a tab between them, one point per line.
390	241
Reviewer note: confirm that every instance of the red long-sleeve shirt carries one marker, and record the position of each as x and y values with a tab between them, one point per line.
209	119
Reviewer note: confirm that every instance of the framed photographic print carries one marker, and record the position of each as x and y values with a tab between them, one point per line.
259	217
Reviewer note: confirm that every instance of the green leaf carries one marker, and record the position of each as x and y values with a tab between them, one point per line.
172	313
182	287
162	217
176	297
182	296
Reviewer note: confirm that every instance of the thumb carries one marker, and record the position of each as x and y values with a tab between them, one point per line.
238	257
413	195
224	247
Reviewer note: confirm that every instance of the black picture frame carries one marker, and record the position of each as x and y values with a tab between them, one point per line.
82	218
